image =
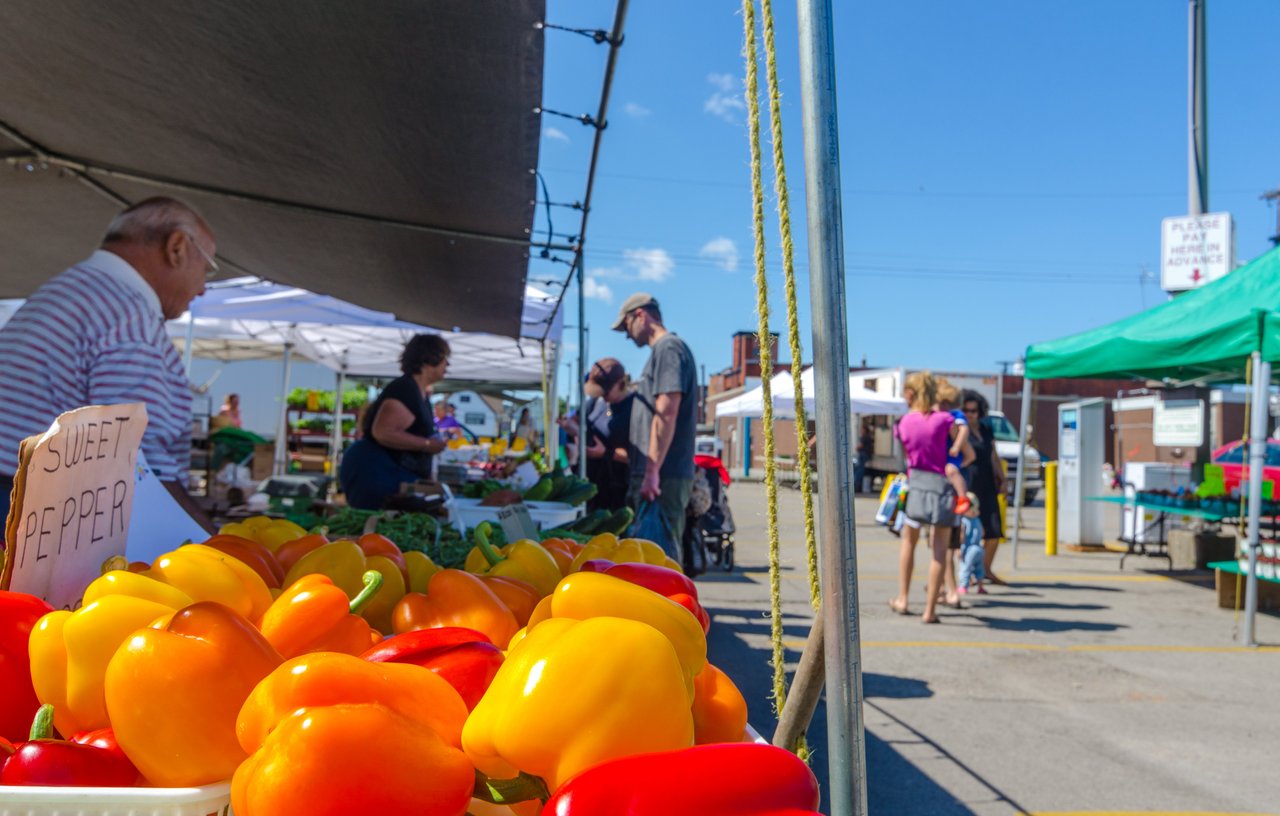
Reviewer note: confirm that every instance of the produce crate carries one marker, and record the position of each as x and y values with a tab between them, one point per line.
210	800
467	513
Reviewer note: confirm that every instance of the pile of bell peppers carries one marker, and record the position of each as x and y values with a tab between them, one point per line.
550	678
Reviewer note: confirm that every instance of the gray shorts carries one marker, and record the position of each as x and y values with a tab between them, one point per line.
931	499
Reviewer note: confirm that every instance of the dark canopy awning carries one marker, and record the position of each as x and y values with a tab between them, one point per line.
382	153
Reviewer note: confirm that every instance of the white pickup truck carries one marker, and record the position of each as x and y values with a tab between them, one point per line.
887	457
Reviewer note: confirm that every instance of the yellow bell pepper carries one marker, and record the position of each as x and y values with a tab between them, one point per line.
586	595
271	533
70	652
573	694
627	550
525	560
206	574
345	564
136	585
421	568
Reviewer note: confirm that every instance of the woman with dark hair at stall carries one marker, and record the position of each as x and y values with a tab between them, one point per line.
398	436
987	478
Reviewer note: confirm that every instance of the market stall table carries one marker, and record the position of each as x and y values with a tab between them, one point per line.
1138	544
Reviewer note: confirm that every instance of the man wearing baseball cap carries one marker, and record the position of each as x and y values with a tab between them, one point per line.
664	415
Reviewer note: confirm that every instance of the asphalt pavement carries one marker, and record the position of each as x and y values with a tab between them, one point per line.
1078	689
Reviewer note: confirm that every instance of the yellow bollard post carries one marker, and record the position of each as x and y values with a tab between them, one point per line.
1051	508
1003	500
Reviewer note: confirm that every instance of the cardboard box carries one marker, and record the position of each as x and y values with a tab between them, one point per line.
263	456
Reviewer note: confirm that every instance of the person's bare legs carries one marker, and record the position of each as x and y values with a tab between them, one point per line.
956	479
952	594
939	537
906	562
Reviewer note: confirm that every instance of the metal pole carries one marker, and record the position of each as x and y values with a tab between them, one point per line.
280	465
1197	111
335	449
1020	478
846	741
1257	461
582	367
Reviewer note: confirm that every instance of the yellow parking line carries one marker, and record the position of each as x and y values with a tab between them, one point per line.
796	643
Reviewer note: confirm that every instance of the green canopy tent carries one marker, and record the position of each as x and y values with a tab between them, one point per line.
1211	334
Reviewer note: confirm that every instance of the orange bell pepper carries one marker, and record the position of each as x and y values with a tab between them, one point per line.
173	693
456	598
328	678
563	550
251	552
349	759
519	596
719	709
313	615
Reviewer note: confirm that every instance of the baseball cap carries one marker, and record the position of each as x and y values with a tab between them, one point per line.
603	376
630	305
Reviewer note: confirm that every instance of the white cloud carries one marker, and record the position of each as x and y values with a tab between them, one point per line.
650	264
596	290
726	101
636	111
555	134
723	82
722	250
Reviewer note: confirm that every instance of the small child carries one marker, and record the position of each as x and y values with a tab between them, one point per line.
972	553
960	453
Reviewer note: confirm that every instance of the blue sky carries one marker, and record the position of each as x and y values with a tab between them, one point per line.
1005	166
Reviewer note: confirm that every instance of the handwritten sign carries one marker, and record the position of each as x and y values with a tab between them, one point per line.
517	523
73	495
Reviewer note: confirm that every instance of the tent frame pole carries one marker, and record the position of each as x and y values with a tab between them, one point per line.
280	464
846	739
335	450
1257	460
1020	477
580	385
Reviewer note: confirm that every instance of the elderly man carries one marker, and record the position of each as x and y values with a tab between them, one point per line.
664	414
95	335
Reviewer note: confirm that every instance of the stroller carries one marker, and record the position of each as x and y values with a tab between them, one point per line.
709	528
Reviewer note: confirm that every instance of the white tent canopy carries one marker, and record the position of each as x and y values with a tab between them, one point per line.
751	404
253	319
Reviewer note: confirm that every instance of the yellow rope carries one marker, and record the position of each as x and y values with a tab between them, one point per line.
789	276
766	360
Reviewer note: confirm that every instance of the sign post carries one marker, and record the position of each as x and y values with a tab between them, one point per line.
1196	249
72	499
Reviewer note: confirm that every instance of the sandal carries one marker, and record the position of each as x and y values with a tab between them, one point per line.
995	580
901	610
954	603
934	619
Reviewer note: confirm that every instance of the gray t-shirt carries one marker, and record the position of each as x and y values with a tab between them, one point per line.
670	369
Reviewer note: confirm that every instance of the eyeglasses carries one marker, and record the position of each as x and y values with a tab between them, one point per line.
971	410
211	266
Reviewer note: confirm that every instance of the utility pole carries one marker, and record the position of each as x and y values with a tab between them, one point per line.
1198	110
1271	196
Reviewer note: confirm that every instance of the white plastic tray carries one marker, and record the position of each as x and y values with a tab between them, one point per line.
547	515
210	800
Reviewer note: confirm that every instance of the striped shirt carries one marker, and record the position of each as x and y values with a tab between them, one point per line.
94	335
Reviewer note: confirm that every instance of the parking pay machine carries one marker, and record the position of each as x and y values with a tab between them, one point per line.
1081	443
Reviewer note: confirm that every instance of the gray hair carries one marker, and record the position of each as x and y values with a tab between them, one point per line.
154	220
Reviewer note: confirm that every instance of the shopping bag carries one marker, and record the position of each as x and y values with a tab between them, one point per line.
891	500
652	525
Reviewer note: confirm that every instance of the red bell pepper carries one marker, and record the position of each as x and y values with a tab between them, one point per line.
46	761
765	781
18	704
667	582
104	738
463	657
